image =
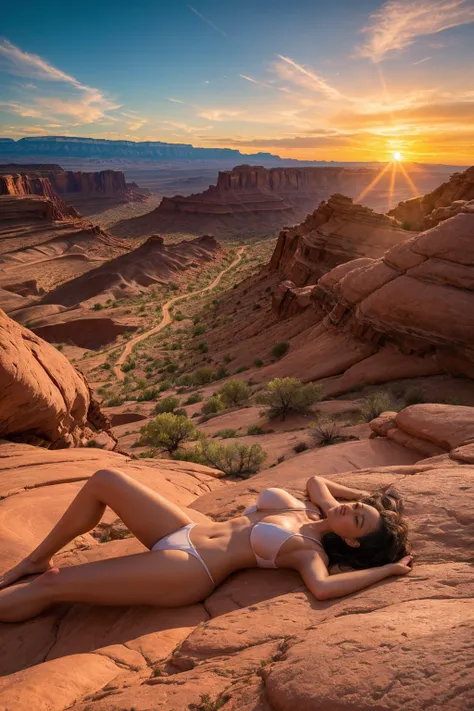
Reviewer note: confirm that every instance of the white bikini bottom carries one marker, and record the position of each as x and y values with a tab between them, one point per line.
180	541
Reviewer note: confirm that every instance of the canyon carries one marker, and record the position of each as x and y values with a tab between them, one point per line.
365	304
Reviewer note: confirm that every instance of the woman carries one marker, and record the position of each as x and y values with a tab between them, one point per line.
188	560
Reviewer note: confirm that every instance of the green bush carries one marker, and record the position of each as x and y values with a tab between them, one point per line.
374	404
226	433
148	394
285	395
212	406
414	396
258	362
172	367
202	376
227	359
199	329
325	431
128	365
193	399
164	385
113	401
300	447
234	392
221	373
254	430
184	381
167	432
203	347
235	459
97	307
166	404
280	349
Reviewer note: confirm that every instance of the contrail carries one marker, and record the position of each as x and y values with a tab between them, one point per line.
221	32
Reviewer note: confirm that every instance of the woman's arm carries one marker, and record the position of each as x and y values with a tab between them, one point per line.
323	492
326	587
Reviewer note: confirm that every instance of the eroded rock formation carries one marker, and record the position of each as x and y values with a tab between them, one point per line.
251	200
43	399
447	200
336	232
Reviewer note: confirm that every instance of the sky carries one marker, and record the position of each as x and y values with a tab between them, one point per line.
346	80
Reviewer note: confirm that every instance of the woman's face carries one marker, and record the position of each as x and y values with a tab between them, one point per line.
353	521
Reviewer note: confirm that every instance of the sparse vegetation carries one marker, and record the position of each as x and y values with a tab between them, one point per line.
234	459
166	404
129	364
202	376
326	431
254	430
285	395
258	362
97	307
234	393
280	349
148	394
113	401
167	432
300	447
226	433
193	399
212	406
375	404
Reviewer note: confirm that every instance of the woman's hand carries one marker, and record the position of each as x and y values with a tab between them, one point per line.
403	566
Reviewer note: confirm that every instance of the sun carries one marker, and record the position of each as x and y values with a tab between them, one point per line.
397	156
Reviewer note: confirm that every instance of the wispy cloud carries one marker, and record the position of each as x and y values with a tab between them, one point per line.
312	80
86	107
219	114
211	24
175	101
254	81
420	61
398	24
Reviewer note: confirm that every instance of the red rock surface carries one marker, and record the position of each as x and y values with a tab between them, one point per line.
444	202
337	231
260	641
43	399
153	262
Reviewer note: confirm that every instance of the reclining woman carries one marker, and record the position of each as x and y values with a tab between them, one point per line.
185	561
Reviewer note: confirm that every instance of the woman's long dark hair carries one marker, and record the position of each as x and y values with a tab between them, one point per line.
387	544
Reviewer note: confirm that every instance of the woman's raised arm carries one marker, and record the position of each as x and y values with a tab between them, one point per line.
326	587
323	492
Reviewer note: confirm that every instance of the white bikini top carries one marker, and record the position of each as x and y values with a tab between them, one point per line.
268	538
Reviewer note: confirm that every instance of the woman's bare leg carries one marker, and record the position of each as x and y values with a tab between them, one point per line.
161	578
146	514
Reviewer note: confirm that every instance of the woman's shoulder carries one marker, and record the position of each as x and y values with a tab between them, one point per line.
276	498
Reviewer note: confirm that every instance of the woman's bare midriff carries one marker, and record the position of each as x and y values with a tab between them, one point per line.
225	546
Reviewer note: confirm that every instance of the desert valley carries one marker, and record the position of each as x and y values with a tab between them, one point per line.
260	275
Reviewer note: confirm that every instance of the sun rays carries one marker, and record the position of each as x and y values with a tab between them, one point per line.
395	164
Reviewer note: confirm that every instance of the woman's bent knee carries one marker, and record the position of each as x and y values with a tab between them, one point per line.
106	477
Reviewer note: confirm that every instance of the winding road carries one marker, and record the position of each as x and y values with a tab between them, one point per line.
167	319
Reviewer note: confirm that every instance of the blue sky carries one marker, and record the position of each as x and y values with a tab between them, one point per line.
342	80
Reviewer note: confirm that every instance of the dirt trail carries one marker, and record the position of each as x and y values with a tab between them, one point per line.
167	319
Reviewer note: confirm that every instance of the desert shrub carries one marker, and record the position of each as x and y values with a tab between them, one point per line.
212	406
414	396
254	430
190	454
203	347
113	401
184	381
199	329
104	366
193	399
166	404
148	394
167	432
285	395
374	404
280	349
221	373
97	307
128	365
164	385
234	459
60	346
172	367
227	359
258	362
300	447
325	431
226	433
234	392
202	376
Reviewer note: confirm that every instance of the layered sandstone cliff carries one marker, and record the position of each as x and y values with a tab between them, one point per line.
249	200
337	232
19	185
447	200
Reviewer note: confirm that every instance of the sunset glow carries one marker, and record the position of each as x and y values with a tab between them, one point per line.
296	83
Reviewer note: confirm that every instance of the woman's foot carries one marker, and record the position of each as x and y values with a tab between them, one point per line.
26	600
26	567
